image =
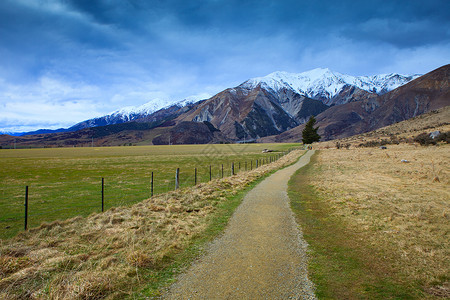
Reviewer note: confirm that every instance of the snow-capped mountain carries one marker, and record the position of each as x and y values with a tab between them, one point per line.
324	84
275	103
132	113
288	101
129	113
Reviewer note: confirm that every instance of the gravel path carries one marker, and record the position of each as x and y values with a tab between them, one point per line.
261	254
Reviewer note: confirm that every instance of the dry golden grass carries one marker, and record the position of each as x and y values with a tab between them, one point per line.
402	208
108	255
406	130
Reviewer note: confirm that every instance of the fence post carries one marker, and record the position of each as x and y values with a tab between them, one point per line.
232	168
222	170
251	165
151	187
257	163
177	178
239	166
210	174
103	194
26	207
195	177
245	165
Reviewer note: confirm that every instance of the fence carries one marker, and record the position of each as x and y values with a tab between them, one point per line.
114	193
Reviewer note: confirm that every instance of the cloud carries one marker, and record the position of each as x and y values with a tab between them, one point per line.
401	34
105	55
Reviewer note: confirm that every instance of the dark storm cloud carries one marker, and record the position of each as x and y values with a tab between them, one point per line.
35	37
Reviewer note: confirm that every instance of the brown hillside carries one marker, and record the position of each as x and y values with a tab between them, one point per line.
426	93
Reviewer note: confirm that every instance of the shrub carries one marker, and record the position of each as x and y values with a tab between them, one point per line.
424	139
444	137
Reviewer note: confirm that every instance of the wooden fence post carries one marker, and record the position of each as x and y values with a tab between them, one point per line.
210	174
222	170
103	194
232	168
177	178
26	207
151	187
195	177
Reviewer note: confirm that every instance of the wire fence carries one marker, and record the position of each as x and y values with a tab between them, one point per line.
49	202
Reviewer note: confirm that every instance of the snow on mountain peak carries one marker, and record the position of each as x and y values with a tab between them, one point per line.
325	83
146	108
128	113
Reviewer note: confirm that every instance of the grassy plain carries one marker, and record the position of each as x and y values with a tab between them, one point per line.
66	182
125	252
378	227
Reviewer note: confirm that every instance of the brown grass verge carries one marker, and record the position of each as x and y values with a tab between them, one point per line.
403	208
113	254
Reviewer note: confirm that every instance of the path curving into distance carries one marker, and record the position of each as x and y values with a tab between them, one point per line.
261	254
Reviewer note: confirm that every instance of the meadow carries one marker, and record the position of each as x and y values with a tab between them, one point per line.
129	252
66	182
391	206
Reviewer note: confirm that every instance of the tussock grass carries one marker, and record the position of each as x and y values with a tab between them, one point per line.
126	251
400	210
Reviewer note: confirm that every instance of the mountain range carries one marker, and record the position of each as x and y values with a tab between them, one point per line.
273	108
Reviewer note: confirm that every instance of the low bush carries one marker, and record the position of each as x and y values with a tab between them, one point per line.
425	139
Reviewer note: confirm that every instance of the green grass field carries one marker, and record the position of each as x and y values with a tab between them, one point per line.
66	182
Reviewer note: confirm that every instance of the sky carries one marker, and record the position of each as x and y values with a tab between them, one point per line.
65	61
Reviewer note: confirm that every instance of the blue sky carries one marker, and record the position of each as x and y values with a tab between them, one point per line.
64	61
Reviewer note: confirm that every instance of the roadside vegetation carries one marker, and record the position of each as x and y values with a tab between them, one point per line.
126	252
377	221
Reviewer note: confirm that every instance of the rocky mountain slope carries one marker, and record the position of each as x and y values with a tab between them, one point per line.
153	111
328	86
426	93
274	105
281	101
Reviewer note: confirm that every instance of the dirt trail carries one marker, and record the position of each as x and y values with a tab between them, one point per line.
261	254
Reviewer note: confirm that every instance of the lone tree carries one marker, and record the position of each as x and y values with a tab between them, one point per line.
310	134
